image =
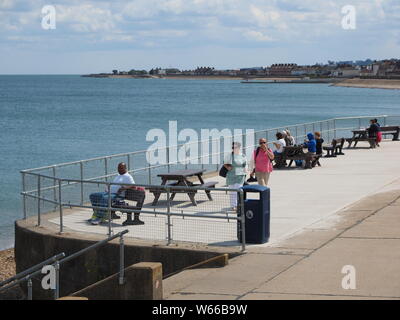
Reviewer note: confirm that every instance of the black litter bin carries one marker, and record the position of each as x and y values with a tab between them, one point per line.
257	213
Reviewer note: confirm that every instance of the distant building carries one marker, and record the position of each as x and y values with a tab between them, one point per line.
282	69
348	72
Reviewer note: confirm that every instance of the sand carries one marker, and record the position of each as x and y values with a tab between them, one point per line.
370	83
7	270
7	264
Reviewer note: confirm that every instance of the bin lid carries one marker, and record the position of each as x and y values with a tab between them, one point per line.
254	188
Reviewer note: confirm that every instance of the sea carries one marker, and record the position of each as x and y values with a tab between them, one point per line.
50	119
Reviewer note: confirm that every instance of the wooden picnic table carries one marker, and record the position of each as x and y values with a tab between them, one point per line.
360	135
180	179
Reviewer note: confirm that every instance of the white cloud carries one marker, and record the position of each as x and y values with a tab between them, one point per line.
257	36
88	18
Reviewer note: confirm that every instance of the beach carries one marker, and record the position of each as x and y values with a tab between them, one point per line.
7	270
7	264
370	83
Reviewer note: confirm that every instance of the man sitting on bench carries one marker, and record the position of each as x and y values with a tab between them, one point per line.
100	199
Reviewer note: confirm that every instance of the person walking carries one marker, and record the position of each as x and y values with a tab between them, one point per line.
236	164
260	164
378	133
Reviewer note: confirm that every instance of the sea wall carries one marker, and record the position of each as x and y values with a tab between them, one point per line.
35	244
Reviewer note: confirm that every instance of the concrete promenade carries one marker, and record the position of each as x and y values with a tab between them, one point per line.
299	198
354	201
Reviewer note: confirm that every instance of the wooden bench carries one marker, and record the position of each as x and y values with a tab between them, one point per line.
372	142
393	130
292	153
335	148
132	195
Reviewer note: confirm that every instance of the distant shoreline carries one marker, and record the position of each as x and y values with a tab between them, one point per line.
370	84
184	77
337	82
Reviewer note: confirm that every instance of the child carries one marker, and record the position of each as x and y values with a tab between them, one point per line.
319	141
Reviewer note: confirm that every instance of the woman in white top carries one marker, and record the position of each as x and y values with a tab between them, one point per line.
280	144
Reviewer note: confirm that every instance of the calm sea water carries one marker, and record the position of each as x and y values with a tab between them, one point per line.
52	119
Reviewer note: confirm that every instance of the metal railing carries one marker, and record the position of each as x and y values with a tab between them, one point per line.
57	261
214	211
65	185
28	274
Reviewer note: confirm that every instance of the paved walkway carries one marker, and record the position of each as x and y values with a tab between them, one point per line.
309	265
345	213
299	198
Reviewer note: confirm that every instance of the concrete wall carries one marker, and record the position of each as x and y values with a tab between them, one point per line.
143	281
35	244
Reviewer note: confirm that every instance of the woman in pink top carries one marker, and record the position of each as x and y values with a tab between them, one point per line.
261	162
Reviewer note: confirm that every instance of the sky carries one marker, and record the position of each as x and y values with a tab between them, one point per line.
99	36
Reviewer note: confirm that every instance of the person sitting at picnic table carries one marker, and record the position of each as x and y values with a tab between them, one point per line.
311	144
100	199
280	144
260	164
289	139
236	164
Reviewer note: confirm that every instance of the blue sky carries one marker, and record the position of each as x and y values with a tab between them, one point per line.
98	36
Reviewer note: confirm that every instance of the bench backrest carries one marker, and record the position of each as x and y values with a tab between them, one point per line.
290	151
390	128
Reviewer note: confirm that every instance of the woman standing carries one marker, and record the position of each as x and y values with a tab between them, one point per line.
261	162
379	133
236	164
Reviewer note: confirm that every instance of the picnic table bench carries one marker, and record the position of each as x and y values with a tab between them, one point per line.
335	148
137	195
393	130
181	180
361	135
291	153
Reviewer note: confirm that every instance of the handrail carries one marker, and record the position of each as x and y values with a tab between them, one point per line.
32	269
28	274
180	145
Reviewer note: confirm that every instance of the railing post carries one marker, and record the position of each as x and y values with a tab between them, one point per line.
109	210
24	196
128	160
55	186
121	260
29	288
57	289
243	219
81	172
106	168
60	206
329	131
169	237
359	123
38	202
334	128
384	121
168	160
186	164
